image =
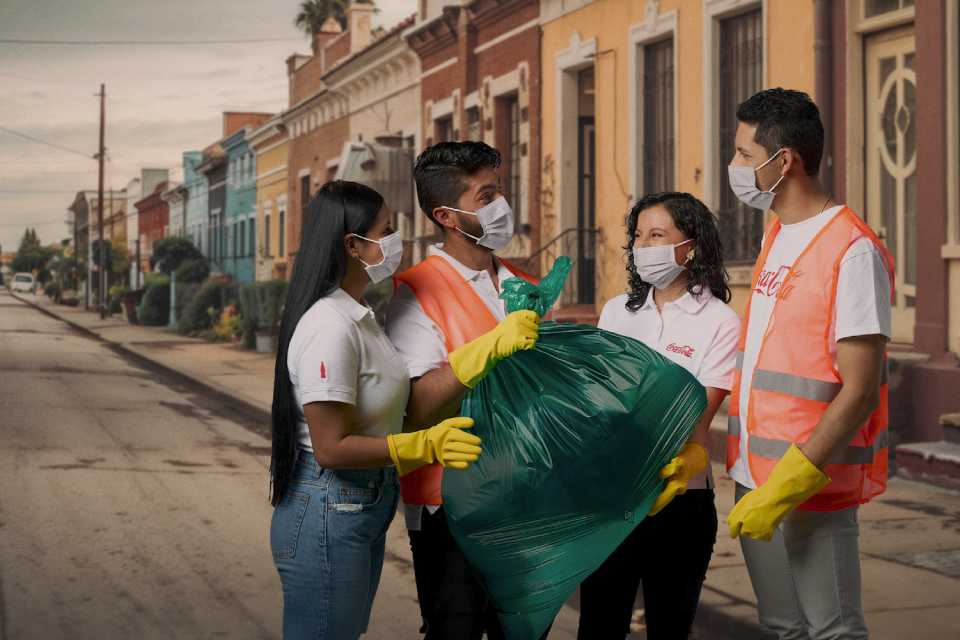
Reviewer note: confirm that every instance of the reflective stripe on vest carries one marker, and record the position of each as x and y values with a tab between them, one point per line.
795	377
775	449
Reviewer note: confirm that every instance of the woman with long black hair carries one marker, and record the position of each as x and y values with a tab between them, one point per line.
339	397
677	305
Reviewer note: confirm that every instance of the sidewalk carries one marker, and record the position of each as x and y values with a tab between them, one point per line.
909	540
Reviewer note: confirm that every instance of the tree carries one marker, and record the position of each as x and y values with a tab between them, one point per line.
170	252
107	253
314	13
32	256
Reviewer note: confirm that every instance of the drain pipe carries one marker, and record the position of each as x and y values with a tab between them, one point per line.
823	84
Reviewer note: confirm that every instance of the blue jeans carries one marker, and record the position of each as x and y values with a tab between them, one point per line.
327	538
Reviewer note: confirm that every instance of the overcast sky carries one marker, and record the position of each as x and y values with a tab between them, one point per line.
161	100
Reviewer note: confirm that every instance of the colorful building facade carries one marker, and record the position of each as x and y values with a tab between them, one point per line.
271	147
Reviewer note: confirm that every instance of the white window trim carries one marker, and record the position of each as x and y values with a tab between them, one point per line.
442	108
655	27
302	173
581	54
506	84
953	130
713	12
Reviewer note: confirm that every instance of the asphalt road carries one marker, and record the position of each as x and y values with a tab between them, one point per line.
130	506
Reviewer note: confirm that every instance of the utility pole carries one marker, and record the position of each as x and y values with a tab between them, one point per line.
137	271
102	272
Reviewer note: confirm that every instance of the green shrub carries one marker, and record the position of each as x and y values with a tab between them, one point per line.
153	277
203	309
248	315
186	292
271	296
154	309
193	270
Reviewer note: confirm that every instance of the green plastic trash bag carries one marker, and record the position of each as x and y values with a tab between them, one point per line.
575	432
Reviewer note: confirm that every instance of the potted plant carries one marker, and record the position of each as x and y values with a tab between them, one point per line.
270	299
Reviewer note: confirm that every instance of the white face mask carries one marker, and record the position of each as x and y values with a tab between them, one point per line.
391	248
658	265
496	220
743	183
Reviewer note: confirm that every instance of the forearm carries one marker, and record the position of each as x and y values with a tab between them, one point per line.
839	423
352	452
434	397
701	432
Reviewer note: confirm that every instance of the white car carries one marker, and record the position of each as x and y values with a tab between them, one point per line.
22	282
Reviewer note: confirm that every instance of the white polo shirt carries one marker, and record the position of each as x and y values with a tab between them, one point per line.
700	333
339	353
421	342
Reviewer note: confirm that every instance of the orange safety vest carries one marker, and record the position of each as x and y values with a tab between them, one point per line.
795	377
452	304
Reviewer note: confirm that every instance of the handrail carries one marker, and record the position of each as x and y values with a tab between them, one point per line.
536	254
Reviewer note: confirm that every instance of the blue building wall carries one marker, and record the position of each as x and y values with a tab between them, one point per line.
197	200
241	207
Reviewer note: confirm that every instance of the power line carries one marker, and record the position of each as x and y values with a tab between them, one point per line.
44	142
163	43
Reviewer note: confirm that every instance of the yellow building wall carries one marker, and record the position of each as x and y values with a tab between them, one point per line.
271	189
789	63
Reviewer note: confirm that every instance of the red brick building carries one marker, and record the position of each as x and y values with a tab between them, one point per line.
317	119
481	81
153	216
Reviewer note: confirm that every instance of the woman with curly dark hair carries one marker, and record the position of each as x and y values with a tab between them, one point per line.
676	305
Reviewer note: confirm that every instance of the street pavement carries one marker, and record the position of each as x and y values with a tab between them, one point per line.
133	467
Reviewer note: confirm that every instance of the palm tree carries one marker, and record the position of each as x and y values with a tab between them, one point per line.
313	13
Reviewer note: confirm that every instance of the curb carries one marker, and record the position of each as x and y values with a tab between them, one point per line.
257	411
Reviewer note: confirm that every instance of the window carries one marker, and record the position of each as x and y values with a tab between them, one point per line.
282	234
876	7
473	125
658	130
741	75
511	109
266	235
444	128
304	194
251	237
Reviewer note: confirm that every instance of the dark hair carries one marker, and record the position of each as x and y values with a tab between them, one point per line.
786	118
338	208
440	171
694	219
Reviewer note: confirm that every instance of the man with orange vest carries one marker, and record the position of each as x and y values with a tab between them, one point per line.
807	434
447	310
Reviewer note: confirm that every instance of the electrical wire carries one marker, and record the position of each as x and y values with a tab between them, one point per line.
162	43
88	156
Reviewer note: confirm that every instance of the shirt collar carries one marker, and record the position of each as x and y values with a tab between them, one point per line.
465	271
688	302
345	303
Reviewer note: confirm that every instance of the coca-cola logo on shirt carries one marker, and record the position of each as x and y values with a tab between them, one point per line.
775	283
685	350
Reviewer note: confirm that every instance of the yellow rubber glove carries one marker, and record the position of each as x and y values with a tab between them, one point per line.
446	443
792	481
471	362
691	460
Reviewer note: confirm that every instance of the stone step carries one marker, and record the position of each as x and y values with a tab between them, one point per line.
951	427
936	463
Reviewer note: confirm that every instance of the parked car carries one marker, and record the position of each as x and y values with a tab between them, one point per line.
23	282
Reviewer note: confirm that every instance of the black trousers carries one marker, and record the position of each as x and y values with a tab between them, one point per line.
669	553
453	602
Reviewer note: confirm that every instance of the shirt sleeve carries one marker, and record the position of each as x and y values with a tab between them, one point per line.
863	293
721	357
420	342
326	363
